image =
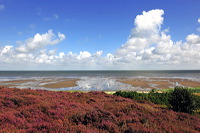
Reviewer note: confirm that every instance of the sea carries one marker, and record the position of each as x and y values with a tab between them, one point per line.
91	80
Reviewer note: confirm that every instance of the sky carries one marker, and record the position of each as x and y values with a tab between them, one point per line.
99	34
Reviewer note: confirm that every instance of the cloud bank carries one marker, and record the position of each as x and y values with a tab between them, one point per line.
147	47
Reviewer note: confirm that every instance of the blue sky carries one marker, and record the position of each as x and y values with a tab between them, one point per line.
95	32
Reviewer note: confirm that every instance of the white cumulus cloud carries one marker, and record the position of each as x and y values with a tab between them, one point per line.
149	21
148	47
145	34
193	39
40	41
148	44
84	55
6	49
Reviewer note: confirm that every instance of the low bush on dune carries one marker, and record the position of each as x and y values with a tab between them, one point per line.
180	99
25	110
155	97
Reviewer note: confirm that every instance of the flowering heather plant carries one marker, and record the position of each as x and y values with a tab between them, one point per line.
26	110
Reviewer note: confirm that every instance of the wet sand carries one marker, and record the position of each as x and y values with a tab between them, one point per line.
44	83
13	83
16	81
160	83
62	84
143	83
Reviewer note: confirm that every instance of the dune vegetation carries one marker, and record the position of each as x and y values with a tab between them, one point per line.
179	99
26	110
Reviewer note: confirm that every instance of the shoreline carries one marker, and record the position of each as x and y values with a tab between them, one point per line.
145	84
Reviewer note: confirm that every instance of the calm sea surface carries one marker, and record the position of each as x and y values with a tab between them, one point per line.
77	74
95	80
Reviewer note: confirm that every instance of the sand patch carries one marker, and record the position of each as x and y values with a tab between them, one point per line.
51	83
62	84
159	83
136	83
109	84
15	81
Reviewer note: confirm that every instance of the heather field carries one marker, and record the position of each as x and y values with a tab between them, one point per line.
26	110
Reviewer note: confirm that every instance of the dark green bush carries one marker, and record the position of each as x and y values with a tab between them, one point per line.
182	100
157	98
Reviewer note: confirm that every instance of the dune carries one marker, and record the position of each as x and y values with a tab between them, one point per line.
26	110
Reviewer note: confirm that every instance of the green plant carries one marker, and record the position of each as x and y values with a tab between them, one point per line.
182	100
153	96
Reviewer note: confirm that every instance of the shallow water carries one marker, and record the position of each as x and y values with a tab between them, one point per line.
91	80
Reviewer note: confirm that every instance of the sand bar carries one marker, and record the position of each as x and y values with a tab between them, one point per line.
16	81
43	83
138	83
62	84
13	83
159	83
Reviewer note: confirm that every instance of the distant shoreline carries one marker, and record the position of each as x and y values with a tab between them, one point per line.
101	80
145	84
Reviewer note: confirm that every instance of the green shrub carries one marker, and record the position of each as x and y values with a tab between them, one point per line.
157	98
182	100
